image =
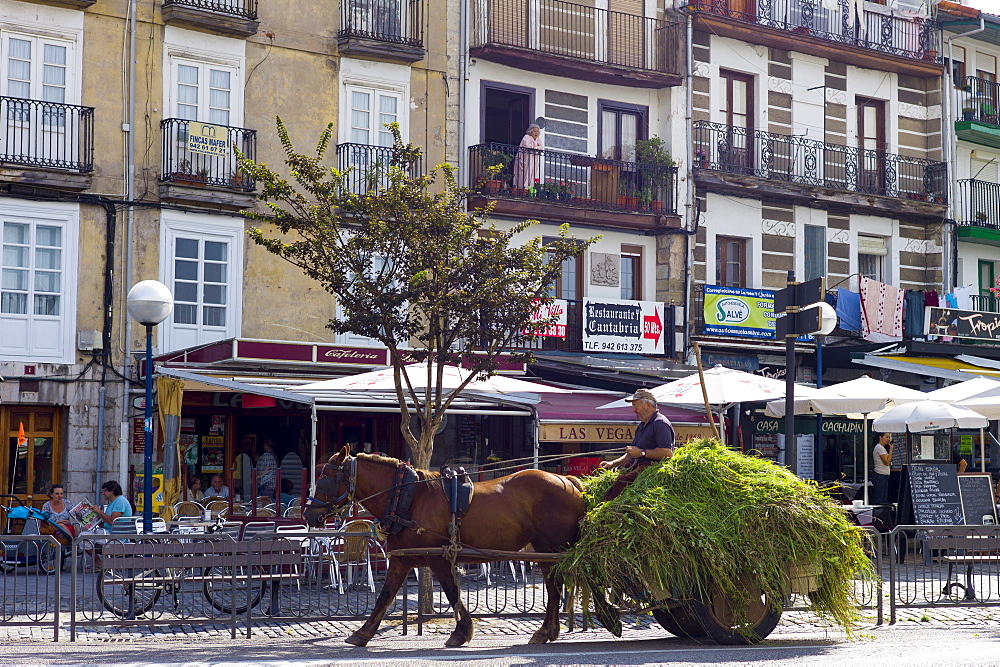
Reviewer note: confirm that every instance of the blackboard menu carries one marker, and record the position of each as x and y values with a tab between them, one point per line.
935	495
977	498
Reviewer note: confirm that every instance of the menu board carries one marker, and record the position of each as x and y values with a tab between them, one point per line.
935	495
977	498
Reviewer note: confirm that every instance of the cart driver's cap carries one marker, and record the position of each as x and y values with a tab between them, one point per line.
641	395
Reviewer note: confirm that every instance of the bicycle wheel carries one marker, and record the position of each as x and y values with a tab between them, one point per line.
46	560
220	593
129	592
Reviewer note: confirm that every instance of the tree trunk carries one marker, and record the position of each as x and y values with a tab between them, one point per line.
422	459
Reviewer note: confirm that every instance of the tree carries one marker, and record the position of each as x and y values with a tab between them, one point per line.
409	265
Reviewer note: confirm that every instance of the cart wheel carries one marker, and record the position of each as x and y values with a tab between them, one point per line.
680	621
715	614
133	598
47	558
221	595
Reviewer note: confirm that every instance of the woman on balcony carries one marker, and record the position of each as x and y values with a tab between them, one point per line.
528	157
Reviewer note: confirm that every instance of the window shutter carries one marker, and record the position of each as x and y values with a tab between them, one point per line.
872	245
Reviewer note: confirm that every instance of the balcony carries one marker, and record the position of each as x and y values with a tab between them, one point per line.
574	188
46	143
577	41
200	164
369	167
880	40
805	169
984	304
977	116
237	18
978	212
384	29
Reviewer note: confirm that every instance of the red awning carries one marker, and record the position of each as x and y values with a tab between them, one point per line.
583	408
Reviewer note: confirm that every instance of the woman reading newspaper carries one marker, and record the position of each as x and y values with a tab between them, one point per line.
58	509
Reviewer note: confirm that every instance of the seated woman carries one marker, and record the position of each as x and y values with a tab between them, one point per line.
194	489
286	493
58	509
117	504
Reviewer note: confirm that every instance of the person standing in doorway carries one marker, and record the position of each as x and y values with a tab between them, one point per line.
267	470
653	441
881	459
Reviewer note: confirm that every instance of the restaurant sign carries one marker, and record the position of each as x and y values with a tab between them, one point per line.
615	325
736	311
953	323
555	313
613	432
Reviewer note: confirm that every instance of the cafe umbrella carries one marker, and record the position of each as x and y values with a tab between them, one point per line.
930	416
861	397
724	387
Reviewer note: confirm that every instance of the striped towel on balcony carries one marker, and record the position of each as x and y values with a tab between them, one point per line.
881	311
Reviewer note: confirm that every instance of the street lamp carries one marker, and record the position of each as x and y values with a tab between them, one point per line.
149	303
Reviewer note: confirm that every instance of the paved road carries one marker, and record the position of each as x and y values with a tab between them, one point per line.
936	640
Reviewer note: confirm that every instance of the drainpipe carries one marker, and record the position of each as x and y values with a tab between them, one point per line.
129	129
463	76
692	212
950	155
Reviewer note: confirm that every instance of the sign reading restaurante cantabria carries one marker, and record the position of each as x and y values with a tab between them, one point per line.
614	325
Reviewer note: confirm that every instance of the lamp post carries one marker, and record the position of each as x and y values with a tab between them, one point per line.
149	303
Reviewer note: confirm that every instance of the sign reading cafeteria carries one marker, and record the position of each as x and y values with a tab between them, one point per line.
614	325
208	139
736	311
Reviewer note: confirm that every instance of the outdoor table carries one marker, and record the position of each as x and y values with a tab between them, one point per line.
201	525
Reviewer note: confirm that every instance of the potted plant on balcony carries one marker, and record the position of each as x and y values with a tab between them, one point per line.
969	112
701	158
981	216
654	166
988	112
493	164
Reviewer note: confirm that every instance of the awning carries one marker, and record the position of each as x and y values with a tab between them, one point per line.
582	407
951	368
201	382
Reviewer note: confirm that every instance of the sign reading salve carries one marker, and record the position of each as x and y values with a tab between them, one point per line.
737	311
953	323
555	312
614	325
208	139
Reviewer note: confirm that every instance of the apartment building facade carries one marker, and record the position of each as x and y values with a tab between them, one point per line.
113	174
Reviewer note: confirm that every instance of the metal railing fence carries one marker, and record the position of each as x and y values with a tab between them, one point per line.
571	179
246	9
30	586
795	159
370	166
393	21
220	168
943	566
878	29
979	100
43	134
979	203
579	31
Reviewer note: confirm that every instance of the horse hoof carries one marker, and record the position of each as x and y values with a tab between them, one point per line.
356	640
457	639
540	637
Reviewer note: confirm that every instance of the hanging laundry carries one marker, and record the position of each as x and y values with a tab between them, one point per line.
849	309
963	297
931	299
881	311
950	300
913	314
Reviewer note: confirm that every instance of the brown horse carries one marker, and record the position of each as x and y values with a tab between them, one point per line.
530	506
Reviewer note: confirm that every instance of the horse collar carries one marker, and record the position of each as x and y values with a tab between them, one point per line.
397	508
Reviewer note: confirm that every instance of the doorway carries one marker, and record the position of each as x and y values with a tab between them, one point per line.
506	113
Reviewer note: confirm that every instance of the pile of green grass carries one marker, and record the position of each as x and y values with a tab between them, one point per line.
710	514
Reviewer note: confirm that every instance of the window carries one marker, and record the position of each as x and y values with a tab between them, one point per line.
815	251
37	283
204	92
871	145
871	251
370	110
203	268
37	68
738	116
730	261
32	466
987	277
631	273
569	285
621	125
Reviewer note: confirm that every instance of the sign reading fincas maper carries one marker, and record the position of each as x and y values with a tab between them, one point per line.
615	325
208	139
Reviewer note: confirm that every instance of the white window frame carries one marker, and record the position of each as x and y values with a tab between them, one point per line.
376	88
204	81
18	338
41	31
210	228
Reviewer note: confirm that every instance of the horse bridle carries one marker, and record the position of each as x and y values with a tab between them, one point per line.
346	471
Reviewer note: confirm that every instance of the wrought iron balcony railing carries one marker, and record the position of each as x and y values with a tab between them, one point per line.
50	135
369	166
979	100
573	180
578	31
393	21
794	159
199	154
878	29
979	203
985	303
246	9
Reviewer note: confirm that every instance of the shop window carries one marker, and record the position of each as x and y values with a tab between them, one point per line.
34	462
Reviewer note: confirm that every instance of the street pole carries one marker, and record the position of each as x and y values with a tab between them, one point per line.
147	463
790	311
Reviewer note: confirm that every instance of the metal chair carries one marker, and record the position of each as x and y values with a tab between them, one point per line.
188	508
251	528
356	542
266	511
216	507
293	512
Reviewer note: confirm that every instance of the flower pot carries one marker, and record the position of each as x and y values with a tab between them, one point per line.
628	202
968	114
931	55
704	163
493	186
803	578
656	205
185	178
581	161
520	192
801	30
600	166
565	196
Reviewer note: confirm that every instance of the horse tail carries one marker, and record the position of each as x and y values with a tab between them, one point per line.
575	481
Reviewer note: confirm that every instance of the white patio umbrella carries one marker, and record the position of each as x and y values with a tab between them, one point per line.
928	416
861	396
382	380
961	391
725	387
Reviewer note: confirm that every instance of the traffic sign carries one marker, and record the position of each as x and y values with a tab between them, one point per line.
802	294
